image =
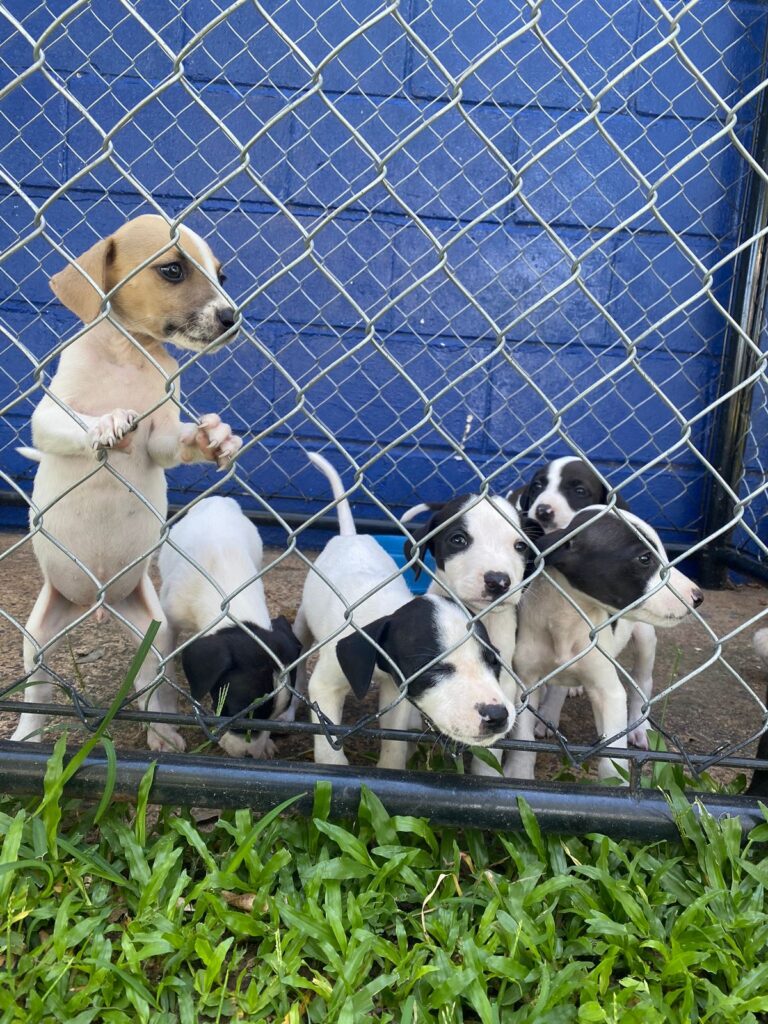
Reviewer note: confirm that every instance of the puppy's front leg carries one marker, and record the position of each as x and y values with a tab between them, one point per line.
210	439
327	689
609	705
57	432
521	764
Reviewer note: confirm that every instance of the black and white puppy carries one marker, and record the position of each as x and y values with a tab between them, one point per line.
604	564
354	599
210	565
759	784
558	490
552	497
480	553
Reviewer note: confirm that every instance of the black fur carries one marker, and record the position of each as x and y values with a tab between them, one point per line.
606	560
445	543
410	639
231	662
579	485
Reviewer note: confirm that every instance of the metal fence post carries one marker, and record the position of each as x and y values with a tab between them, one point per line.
739	361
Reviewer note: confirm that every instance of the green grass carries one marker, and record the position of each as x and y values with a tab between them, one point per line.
140	918
120	914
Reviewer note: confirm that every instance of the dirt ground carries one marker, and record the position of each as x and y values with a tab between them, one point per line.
708	711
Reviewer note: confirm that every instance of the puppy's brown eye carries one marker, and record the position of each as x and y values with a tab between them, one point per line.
520	545
173	272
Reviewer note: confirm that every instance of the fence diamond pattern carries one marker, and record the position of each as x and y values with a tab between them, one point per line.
463	237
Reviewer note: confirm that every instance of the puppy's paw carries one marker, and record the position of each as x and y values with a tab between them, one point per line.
542	730
237	746
211	438
638	737
165	737
114	430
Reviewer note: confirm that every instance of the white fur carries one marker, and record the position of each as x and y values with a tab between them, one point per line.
339	590
216	537
760	643
107	401
642	634
555	627
494	526
554	497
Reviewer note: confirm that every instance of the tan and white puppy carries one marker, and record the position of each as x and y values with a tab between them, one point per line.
104	434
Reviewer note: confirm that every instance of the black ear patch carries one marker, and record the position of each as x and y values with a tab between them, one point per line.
358	657
421	546
283	641
205	661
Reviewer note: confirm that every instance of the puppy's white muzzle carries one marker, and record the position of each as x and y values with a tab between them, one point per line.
665	607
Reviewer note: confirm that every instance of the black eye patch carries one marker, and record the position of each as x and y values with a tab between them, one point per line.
423	681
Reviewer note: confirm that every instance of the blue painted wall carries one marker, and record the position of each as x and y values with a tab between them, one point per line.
493	267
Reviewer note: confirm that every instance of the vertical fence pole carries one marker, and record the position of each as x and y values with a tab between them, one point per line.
732	418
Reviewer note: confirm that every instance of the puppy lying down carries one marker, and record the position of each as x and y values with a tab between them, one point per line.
210	566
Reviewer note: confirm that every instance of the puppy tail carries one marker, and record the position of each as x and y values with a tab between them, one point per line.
343	511
406	517
760	643
30	453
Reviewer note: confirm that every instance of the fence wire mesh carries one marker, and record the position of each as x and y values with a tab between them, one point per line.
463	240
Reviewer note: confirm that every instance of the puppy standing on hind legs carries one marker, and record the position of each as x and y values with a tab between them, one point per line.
104	435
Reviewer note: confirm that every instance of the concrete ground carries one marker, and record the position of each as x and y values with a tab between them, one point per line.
711	709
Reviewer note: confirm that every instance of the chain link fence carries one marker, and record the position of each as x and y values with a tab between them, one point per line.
464	240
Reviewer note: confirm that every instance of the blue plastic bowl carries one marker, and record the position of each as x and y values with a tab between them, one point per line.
393	544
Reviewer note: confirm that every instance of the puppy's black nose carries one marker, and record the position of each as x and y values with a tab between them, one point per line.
495	715
544	513
496	583
696	597
226	317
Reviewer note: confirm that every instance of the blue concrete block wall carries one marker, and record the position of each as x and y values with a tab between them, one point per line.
512	213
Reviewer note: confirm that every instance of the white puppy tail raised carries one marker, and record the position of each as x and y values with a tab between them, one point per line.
406	517
760	643
343	511
30	453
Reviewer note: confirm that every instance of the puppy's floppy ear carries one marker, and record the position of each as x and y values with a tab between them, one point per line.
73	289
358	657
205	661
620	502
421	546
284	642
518	496
534	531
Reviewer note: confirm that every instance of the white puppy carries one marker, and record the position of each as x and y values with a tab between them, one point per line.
480	553
450	667
106	431
553	640
238	654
